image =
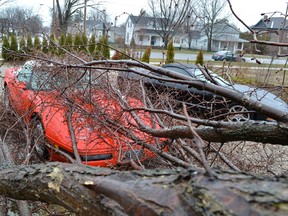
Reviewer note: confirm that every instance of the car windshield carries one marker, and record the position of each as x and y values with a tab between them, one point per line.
222	82
37	78
197	73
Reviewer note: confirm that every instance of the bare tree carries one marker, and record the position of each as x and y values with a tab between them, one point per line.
169	16
19	20
3	2
211	13
191	28
66	12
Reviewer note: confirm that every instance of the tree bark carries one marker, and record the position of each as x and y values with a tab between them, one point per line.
101	191
23	206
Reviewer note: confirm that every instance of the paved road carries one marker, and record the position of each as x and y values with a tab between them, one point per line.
192	56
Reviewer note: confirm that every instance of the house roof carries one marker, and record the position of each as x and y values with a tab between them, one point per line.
145	20
226	28
141	20
271	23
231	38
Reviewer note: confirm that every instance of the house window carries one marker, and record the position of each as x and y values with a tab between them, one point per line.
153	40
239	46
177	40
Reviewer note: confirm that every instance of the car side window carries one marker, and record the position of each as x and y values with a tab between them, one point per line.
229	53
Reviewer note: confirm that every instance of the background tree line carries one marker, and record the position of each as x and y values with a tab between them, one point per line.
14	48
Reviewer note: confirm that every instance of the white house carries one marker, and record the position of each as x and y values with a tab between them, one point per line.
145	32
142	29
98	28
227	37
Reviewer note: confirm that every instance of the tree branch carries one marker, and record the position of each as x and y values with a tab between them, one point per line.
150	192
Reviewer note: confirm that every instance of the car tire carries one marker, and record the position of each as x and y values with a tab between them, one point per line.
38	139
240	115
5	99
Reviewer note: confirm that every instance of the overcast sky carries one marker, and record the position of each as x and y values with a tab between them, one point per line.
248	10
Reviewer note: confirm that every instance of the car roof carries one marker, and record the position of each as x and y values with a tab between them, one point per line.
179	65
224	51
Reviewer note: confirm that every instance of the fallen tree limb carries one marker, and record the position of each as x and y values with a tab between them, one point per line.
264	132
99	191
23	206
256	132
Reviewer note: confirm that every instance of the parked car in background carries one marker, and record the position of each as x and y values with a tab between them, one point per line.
226	55
202	101
44	100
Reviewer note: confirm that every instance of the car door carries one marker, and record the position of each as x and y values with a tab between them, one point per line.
230	56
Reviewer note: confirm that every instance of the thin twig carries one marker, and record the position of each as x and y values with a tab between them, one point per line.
72	134
199	142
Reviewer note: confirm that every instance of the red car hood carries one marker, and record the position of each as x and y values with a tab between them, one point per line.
99	122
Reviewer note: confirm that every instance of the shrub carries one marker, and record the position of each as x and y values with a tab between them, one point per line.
92	44
170	53
146	55
69	42
52	47
200	58
84	42
77	42
22	48
45	45
29	44
61	44
104	48
37	44
5	48
13	47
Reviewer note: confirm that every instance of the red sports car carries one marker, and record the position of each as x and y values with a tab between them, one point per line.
76	117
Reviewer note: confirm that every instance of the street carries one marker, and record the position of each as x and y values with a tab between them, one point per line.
192	56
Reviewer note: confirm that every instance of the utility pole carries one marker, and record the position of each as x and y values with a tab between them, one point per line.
281	31
54	19
85	15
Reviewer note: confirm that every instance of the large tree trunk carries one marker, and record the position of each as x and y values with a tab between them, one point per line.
23	205
99	191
